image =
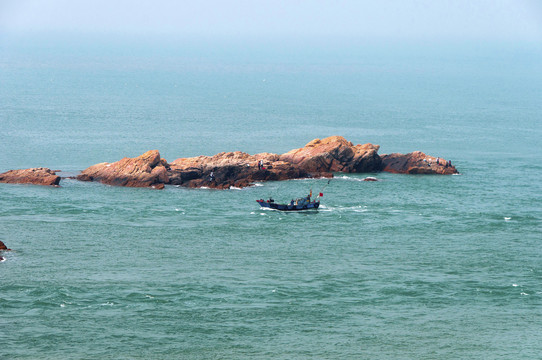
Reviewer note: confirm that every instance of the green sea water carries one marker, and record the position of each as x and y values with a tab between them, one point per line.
410	267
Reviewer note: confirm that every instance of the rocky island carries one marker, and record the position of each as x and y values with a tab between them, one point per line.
318	158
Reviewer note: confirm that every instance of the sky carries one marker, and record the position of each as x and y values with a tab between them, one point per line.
495	20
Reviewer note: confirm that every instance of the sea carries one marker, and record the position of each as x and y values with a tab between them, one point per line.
409	267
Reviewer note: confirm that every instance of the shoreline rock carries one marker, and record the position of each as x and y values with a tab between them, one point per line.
35	176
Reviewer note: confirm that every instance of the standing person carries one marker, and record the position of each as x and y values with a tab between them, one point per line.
212	176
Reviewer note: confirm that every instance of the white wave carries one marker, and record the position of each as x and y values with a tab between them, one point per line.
352	178
357	208
515	285
524	293
235	188
258	184
349	178
507	218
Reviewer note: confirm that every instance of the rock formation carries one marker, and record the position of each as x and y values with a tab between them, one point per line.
335	154
319	158
146	170
416	163
233	169
36	176
3	247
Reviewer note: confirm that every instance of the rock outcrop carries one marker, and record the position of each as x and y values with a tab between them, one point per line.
146	170
416	163
335	154
36	176
233	169
3	247
319	158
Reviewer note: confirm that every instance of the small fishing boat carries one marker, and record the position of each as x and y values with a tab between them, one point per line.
304	203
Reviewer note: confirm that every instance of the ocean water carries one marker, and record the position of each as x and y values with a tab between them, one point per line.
410	267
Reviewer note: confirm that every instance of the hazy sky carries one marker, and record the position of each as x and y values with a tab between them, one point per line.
510	20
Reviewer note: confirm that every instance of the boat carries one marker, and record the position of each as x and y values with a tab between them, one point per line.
303	203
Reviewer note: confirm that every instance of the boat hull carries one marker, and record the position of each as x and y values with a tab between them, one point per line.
287	207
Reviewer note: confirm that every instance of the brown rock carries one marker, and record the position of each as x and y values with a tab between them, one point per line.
334	154
416	163
231	169
319	158
36	176
146	170
3	247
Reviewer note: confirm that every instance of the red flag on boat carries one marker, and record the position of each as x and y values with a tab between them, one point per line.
321	194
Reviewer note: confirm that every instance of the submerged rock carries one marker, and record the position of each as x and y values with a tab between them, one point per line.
416	163
36	176
146	170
